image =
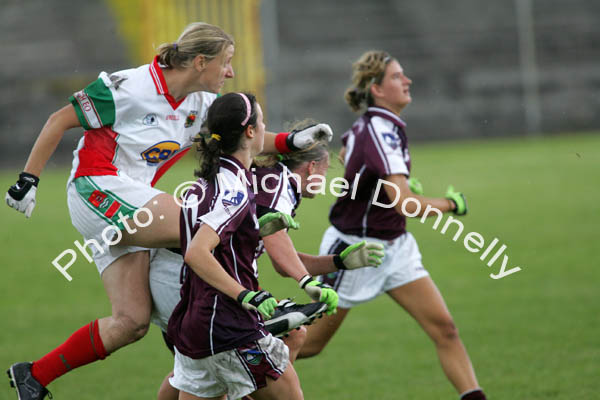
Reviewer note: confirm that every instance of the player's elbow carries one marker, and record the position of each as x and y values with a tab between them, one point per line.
280	270
409	206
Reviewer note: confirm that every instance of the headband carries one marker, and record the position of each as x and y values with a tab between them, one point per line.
248	108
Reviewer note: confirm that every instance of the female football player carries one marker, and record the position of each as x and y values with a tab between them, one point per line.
281	183
376	148
221	346
137	123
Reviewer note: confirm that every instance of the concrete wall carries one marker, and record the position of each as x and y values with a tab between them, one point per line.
50	49
463	57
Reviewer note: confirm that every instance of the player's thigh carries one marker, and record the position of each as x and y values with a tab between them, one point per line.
424	302
126	283
294	341
321	331
163	231
286	387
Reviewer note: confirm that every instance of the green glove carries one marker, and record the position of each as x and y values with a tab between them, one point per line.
415	186
261	301
458	199
358	255
271	223
320	292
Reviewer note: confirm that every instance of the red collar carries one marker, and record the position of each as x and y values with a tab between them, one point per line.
161	85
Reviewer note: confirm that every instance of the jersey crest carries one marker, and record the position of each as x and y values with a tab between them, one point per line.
191	118
391	140
233	197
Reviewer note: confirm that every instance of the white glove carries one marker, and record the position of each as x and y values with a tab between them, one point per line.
304	138
358	255
273	222
21	195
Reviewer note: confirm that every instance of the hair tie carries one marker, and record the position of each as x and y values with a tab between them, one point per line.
280	157
215	136
248	108
175	46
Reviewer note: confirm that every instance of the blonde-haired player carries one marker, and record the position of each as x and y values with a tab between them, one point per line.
137	123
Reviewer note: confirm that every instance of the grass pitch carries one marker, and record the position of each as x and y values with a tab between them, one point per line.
531	335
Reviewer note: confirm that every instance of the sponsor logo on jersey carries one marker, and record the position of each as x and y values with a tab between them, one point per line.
392	140
160	152
150	120
252	356
191	118
233	198
172	117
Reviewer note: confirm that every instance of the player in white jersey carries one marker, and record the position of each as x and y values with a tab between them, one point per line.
137	122
376	150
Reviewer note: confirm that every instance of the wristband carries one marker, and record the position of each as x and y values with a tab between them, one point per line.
337	260
27	177
241	296
281	142
305	281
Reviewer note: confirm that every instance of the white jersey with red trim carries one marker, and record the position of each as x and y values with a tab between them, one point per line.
133	125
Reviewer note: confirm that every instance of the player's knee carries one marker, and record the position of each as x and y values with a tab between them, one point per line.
133	329
296	339
446	331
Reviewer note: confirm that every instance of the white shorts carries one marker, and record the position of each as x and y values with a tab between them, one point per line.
95	203
237	372
401	265
165	270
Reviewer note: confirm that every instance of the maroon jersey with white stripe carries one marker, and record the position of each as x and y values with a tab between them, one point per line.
206	321
277	189
376	146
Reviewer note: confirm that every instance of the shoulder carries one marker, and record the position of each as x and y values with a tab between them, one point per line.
125	78
385	133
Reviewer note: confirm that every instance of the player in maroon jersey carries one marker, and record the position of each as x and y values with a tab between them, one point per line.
221	346
376	150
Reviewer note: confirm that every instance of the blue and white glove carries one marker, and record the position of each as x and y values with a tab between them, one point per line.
304	138
21	195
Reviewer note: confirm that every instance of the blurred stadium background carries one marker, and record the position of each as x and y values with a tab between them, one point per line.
480	69
506	99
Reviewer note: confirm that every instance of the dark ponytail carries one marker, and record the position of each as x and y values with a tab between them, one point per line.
223	129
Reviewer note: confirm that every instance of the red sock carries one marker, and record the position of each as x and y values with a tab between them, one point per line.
81	348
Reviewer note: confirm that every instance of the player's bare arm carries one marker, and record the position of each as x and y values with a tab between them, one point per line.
284	257
400	182
49	137
200	259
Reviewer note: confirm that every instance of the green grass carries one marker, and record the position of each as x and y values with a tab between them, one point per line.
532	335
